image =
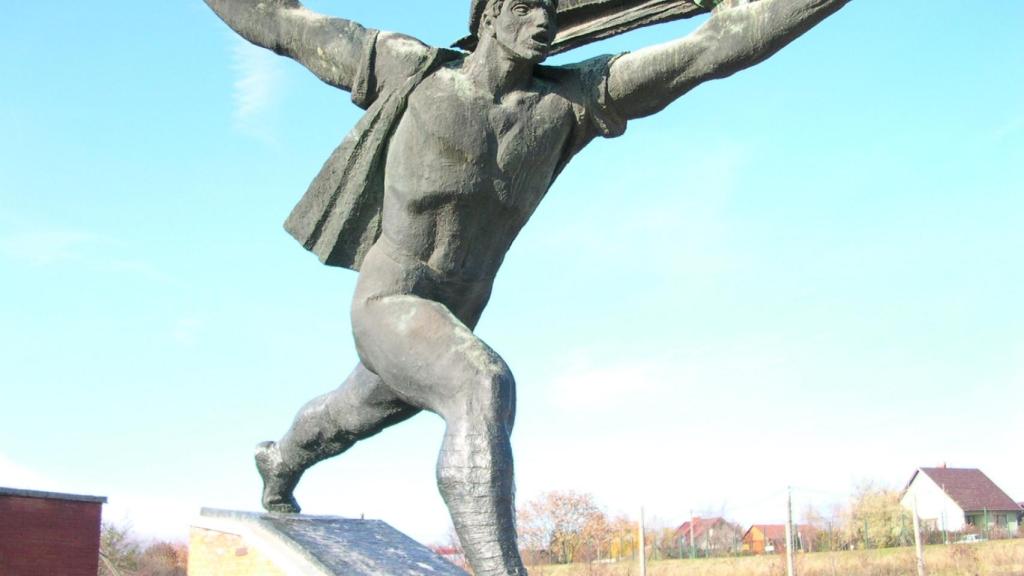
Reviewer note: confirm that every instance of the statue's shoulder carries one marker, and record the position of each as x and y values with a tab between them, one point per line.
392	60
577	79
592	69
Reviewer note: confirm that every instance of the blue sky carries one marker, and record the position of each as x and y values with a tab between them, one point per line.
808	274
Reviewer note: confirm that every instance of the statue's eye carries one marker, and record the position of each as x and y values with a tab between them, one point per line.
520	9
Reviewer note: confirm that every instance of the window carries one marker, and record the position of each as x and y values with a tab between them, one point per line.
1000	519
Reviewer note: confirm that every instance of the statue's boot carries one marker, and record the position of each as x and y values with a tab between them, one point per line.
278	481
313	436
475	477
325	427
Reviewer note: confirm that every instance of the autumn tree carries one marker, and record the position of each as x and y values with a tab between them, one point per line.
452	550
818	532
119	549
876	518
122	553
162	558
623	538
566	526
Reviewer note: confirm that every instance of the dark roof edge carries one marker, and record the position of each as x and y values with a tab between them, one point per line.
262	520
983	475
911	481
18	492
257	517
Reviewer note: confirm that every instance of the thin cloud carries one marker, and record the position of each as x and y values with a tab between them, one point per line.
151	517
46	246
691	216
597	387
186	330
53	246
666	384
256	88
14	475
1010	128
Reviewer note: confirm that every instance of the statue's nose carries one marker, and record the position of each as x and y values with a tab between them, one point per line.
546	26
545	21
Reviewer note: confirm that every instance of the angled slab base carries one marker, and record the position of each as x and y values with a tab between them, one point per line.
228	543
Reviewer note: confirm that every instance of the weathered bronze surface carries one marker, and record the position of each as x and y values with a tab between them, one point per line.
425	196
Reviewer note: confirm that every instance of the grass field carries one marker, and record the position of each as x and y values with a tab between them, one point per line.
1000	558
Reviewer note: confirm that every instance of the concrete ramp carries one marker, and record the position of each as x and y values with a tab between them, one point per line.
226	543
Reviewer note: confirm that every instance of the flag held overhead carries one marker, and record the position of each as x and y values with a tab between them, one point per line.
582	22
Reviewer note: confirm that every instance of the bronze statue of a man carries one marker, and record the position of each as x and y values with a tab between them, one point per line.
426	195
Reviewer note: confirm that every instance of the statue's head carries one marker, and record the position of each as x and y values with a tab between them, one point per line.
525	28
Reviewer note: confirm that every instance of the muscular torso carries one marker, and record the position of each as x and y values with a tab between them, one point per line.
464	172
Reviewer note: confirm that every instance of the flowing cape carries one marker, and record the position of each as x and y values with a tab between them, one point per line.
339	217
581	22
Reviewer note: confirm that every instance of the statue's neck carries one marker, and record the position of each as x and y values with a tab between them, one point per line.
493	68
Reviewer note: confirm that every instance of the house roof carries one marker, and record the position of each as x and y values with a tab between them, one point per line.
777	532
970	488
770	531
19	493
700	526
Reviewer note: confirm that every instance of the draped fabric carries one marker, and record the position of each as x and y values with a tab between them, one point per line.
581	22
339	217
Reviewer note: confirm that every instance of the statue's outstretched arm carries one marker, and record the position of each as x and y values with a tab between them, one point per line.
643	82
330	47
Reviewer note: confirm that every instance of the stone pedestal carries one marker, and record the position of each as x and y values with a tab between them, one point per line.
228	543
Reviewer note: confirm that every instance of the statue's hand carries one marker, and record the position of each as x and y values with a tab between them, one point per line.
721	5
226	7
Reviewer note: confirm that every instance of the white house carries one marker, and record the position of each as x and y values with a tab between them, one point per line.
954	498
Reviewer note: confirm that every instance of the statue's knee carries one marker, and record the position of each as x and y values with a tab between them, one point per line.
492	396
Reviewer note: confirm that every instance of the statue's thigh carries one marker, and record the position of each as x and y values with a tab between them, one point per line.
364	405
426	355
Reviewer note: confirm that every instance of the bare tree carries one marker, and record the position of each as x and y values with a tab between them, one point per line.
876	519
567	526
122	553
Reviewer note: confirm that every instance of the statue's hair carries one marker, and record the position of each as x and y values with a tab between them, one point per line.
495	9
476	16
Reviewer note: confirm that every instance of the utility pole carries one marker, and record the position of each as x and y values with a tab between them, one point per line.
693	551
789	532
918	544
643	545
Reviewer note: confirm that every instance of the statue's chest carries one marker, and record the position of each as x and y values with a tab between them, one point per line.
523	133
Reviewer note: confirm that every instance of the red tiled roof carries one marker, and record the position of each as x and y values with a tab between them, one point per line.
770	531
971	489
774	531
700	525
777	532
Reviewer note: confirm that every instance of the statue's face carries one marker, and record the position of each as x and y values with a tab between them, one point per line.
526	28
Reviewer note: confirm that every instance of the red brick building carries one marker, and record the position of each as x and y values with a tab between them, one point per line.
47	534
708	536
771	538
